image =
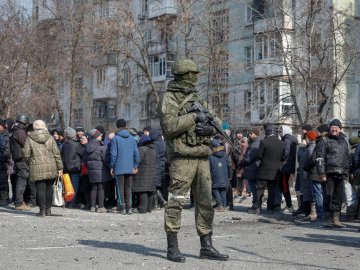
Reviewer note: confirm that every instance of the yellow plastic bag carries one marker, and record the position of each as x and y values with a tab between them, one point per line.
68	188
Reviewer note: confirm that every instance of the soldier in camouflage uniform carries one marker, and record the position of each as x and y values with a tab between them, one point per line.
188	144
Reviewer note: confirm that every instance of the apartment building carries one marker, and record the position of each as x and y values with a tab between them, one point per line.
250	53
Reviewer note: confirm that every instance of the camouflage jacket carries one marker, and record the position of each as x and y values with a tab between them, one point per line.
179	126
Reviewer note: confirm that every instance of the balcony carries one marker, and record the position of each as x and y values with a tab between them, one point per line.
273	24
269	68
160	8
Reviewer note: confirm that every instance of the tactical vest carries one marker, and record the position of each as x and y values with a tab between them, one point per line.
186	102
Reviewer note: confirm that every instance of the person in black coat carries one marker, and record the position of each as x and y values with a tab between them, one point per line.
144	182
98	170
333	159
270	155
160	149
220	169
71	154
249	160
288	166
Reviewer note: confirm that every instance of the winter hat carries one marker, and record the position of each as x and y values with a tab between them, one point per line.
256	131
306	127
238	131
101	129
77	129
94	133
144	139
2	122
227	132
215	143
154	134
39	124
323	128
70	133
311	135
269	130
286	130
335	122
121	123
354	140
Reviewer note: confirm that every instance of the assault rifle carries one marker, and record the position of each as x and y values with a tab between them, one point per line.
198	107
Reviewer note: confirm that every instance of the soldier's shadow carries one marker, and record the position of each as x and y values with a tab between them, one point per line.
129	247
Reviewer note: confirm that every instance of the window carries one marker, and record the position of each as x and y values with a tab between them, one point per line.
265	97
100	108
100	76
151	106
220	26
267	46
247	100
157	65
105	109
111	59
111	109
248	14
248	56
44	4
147	36
104	9
145	6
220	74
219	103
127	75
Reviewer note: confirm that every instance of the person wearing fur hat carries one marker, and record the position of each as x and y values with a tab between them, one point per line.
288	165
71	154
332	156
43	158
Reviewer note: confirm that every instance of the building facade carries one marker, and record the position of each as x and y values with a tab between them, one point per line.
257	62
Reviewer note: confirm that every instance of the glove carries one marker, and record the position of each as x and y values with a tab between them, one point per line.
200	117
203	130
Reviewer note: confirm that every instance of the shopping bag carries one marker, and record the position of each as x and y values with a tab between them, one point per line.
68	188
351	198
58	193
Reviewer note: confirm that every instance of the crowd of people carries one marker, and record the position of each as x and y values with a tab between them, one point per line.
127	171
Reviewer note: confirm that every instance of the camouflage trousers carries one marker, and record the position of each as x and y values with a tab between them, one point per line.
189	173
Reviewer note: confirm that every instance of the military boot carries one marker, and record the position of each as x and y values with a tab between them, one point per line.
336	220
207	250
327	220
173	252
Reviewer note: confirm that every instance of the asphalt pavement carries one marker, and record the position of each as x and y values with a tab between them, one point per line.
79	239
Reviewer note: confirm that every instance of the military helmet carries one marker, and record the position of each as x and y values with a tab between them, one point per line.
181	67
22	118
